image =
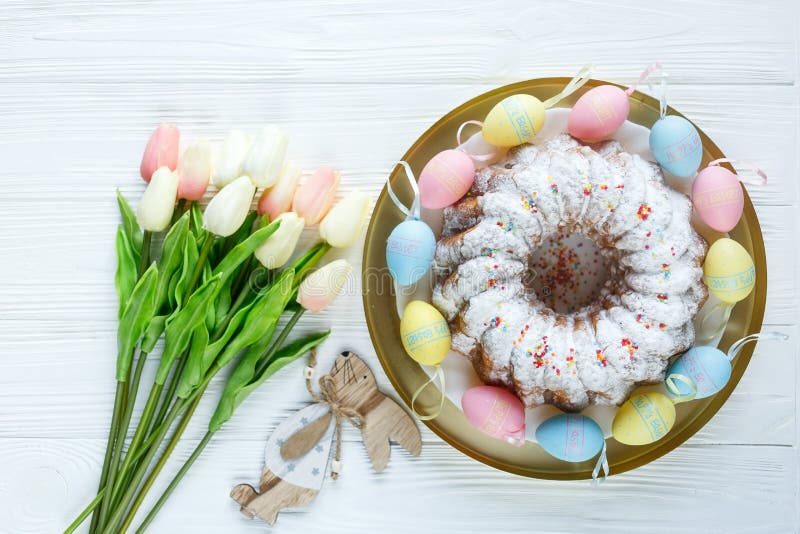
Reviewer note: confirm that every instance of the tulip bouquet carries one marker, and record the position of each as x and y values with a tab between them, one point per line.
215	294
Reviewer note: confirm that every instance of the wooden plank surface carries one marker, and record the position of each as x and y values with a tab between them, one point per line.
355	83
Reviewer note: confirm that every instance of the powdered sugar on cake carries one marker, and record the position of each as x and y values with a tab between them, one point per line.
644	312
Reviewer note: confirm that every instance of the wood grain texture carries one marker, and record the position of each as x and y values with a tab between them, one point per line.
355	83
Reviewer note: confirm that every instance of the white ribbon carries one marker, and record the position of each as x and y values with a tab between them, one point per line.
583	76
414	211
726	308
479	158
602	464
734	349
438	374
662	92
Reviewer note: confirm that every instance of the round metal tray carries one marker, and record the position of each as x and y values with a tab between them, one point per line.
451	425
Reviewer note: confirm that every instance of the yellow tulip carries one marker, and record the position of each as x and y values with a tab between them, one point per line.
154	212
344	222
228	209
278	248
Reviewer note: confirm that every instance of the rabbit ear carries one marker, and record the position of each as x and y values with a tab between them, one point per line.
304	439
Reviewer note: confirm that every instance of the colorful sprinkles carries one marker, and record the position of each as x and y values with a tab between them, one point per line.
569	271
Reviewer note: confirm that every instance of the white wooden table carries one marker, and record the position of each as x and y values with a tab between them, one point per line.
83	84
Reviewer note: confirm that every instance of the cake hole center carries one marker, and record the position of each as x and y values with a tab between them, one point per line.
568	270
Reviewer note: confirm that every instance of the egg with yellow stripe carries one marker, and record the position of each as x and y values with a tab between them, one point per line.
514	120
424	333
728	271
644	418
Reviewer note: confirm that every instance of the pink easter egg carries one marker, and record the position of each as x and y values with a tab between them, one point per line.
496	412
445	179
718	198
598	113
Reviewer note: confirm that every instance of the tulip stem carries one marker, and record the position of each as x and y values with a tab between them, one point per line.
169	394
151	478
264	361
86	511
119	510
201	446
201	261
175	411
112	435
180	209
174	483
138	436
144	260
122	431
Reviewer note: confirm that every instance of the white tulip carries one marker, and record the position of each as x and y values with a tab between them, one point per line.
154	212
229	157
342	225
264	160
278	248
228	209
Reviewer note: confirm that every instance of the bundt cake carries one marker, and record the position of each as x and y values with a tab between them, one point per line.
644	313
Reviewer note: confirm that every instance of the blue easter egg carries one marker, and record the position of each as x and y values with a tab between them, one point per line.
570	437
708	367
676	145
409	251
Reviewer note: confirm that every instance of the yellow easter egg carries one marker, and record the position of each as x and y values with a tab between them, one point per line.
643	419
729	271
424	332
513	121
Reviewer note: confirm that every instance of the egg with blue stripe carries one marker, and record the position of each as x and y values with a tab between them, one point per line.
424	333
729	271
514	120
644	418
570	437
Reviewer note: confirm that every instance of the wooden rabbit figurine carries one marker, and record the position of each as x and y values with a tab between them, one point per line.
298	452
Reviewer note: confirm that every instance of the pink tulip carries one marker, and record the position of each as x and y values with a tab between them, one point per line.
322	287
161	151
278	198
313	199
194	170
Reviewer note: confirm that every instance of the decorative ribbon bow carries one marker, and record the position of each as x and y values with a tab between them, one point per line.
329	397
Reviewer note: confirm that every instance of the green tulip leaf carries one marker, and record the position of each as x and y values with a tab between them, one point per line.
197	222
192	373
262	317
227	267
244	381
182	324
223	246
223	303
190	258
171	261
153	332
127	269
134	320
129	223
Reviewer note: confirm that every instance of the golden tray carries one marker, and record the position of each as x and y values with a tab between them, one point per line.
452	426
